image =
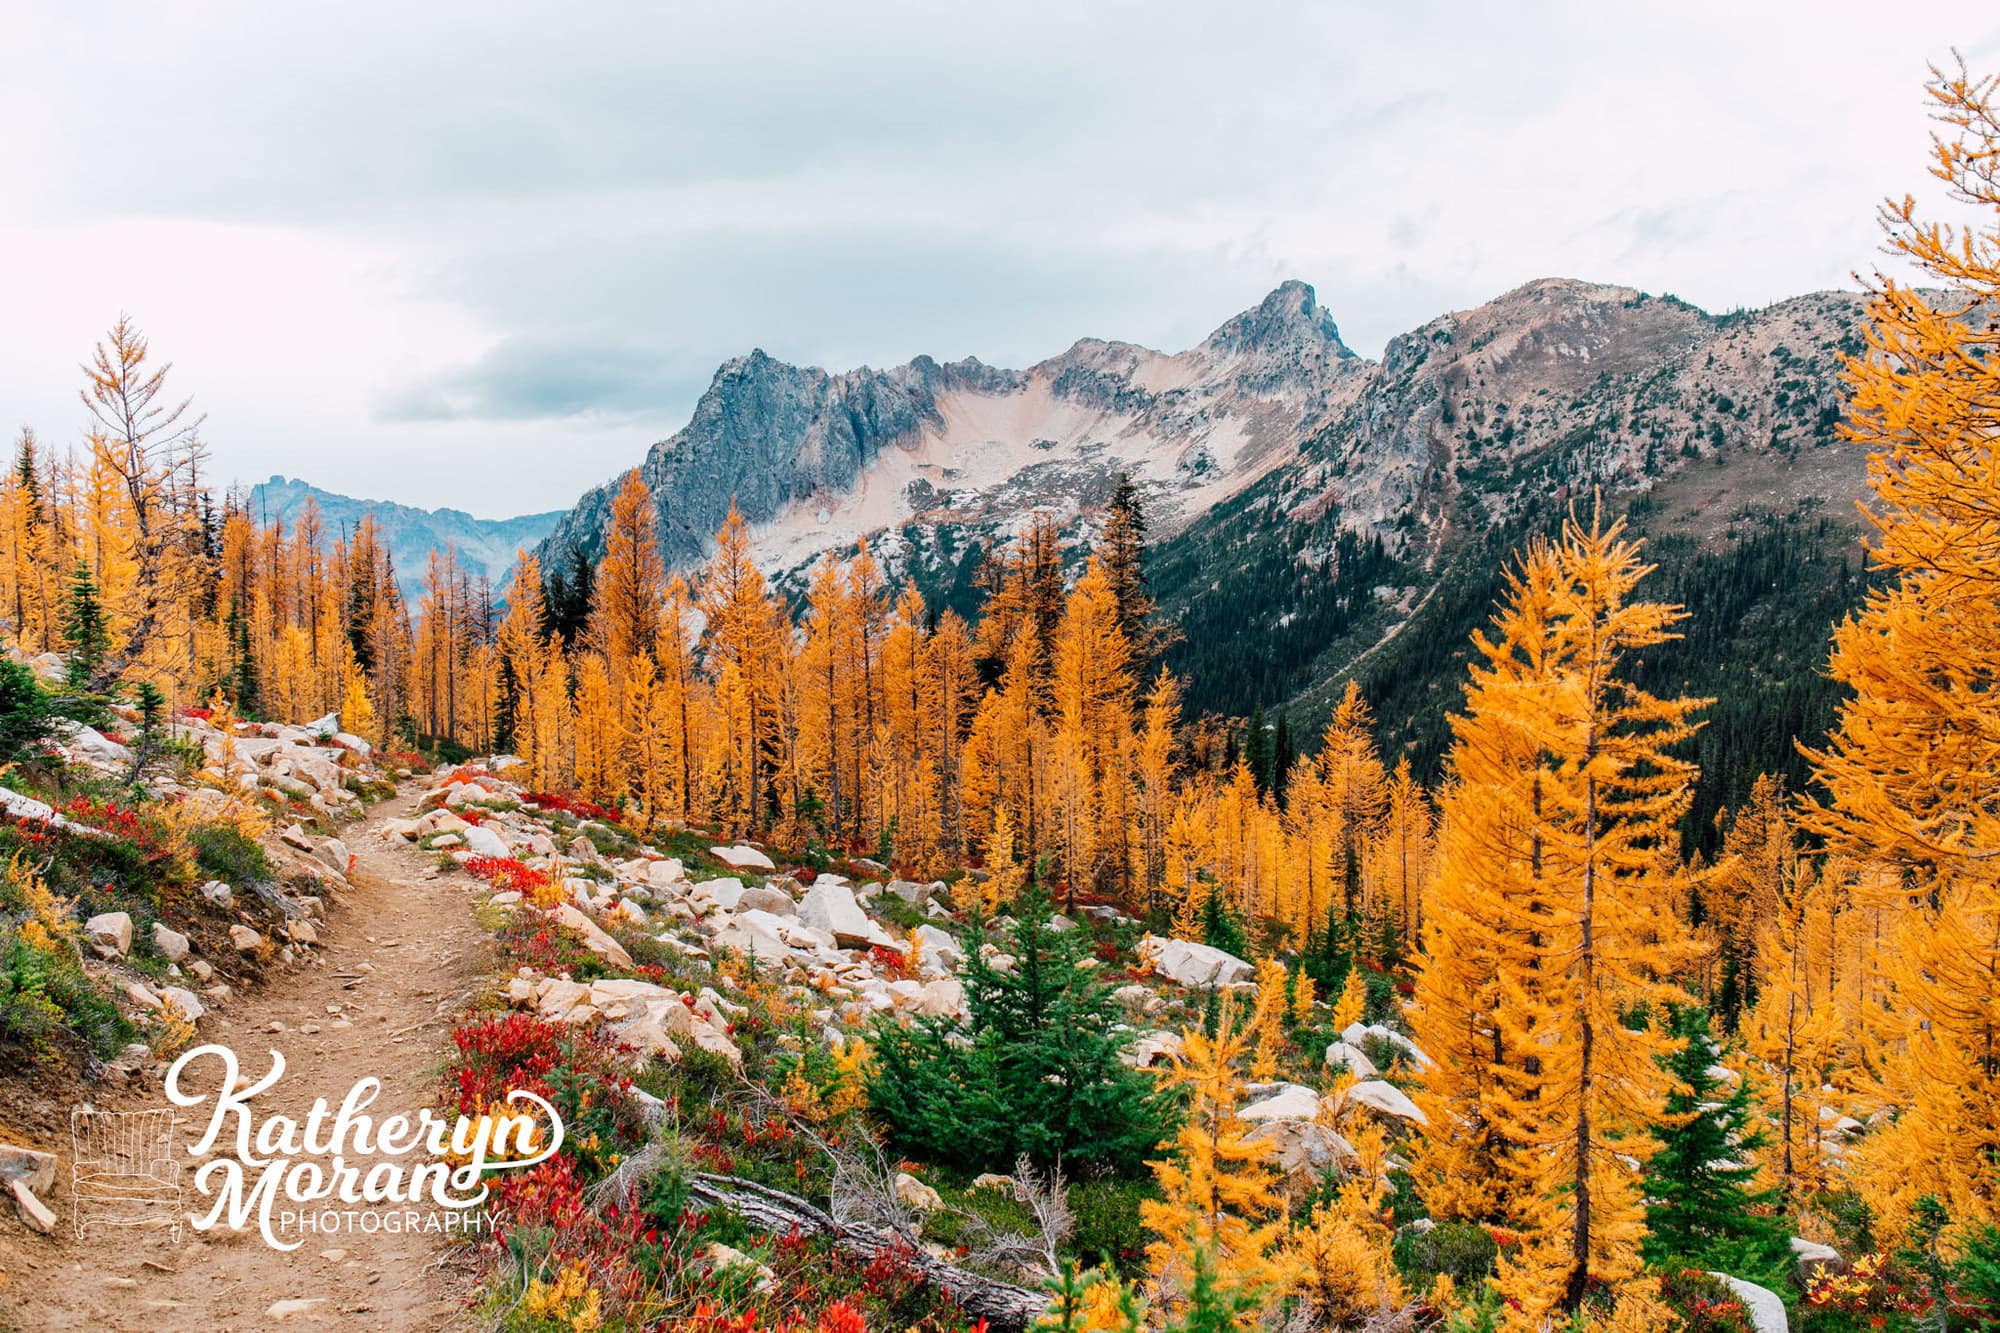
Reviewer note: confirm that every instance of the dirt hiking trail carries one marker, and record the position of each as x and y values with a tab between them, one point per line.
400	960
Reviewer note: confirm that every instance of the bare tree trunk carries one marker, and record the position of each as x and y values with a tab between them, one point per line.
1005	1307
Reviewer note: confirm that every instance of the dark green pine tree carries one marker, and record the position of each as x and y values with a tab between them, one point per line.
152	727
567	597
1122	548
1284	752
28	714
1033	1070
1704	1209
1978	1275
1331	950
243	671
1257	749
1221	928
84	627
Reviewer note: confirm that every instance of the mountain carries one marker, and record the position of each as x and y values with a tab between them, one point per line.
1320	517
486	546
928	451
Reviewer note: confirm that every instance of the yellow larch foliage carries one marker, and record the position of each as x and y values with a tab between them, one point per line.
1908	770
1565	788
1267	1019
1302	998
1352	1003
1218	1188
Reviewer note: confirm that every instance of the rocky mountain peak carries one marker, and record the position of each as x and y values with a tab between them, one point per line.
1290	319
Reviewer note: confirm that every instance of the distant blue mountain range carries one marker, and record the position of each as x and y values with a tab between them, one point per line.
485	545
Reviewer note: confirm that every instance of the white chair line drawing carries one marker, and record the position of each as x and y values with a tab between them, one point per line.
125	1172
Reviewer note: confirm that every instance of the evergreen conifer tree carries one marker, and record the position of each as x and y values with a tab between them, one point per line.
1705	1209
89	639
1034	1070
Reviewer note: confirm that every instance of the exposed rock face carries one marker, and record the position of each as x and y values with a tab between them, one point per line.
820	460
831	907
1387	1099
1304	1151
1264	446
1284	1101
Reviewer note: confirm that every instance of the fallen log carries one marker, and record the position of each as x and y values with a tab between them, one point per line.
1005	1307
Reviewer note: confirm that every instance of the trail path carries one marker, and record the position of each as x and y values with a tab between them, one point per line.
400	958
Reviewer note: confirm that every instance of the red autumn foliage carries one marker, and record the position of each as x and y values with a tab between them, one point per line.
572	805
505	872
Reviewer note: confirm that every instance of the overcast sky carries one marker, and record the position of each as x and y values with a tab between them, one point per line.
481	255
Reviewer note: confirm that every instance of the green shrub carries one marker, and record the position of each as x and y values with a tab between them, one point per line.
44	993
1034	1072
31	713
224	852
1107	1228
1466	1252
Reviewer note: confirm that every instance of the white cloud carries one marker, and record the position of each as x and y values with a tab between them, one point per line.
482	254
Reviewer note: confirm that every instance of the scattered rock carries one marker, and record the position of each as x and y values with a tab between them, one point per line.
726	893
912	892
1304	1151
831	908
1767	1311
1189	964
218	893
300	1307
336	856
245	940
940	946
34	1213
1357	1061
1283	1101
742	857
483	841
594	937
939	999
186	1001
722	1257
1152	1048
295	836
767	899
913	1193
991	1181
110	933
35	1168
171	944
1813	1257
1356	1033
1387	1099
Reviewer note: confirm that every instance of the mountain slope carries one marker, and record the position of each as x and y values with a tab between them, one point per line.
486	546
819	461
1320	517
1483	426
